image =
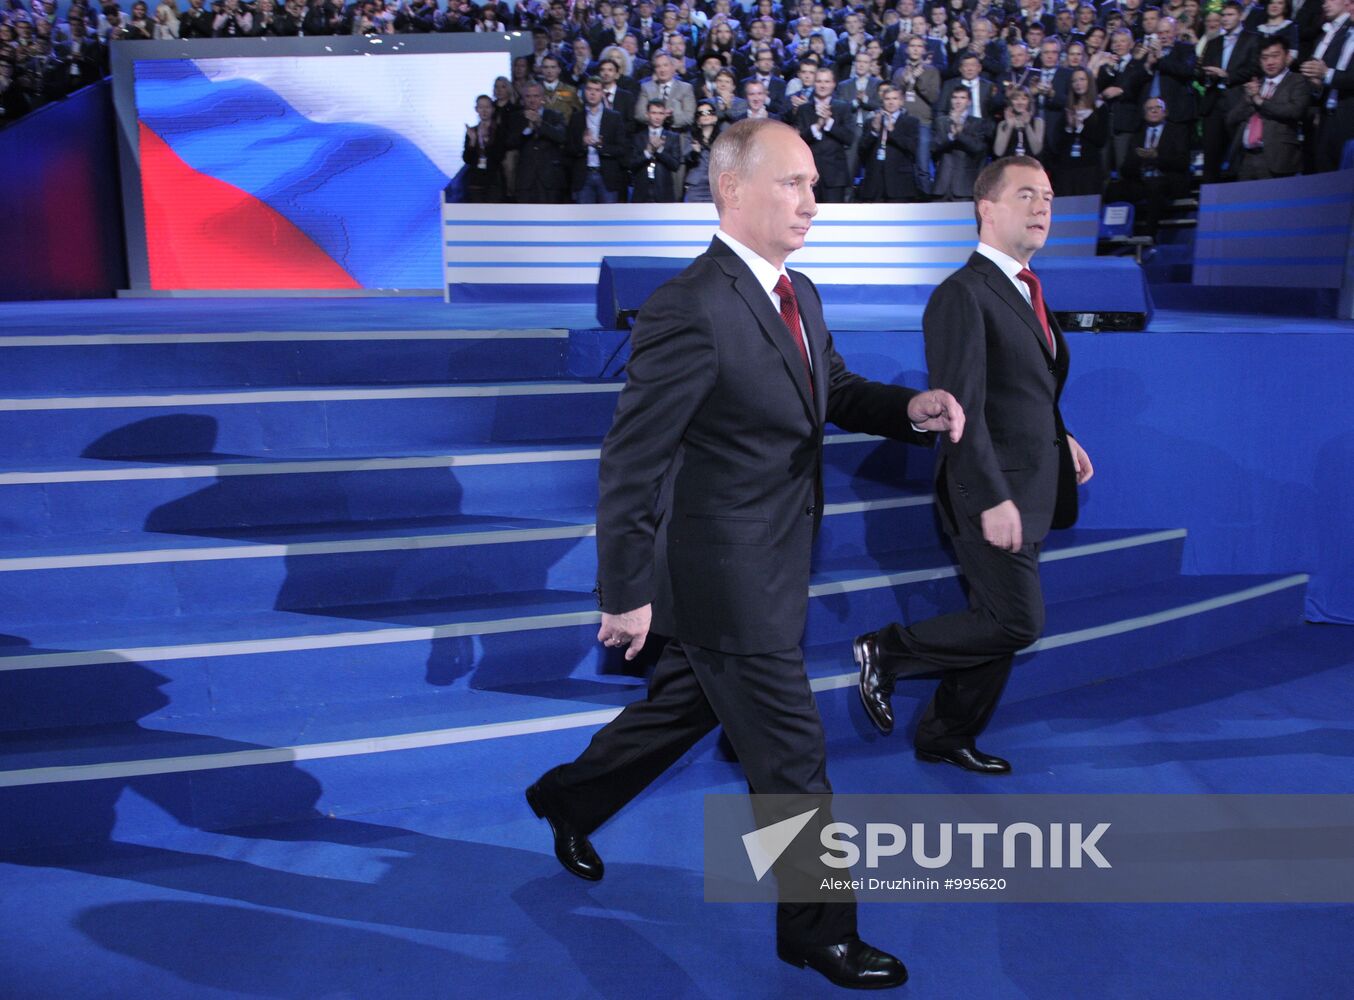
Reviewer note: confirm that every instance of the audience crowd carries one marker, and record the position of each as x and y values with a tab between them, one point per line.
900	100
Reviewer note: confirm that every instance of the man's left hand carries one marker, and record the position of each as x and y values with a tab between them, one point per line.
1080	461
937	410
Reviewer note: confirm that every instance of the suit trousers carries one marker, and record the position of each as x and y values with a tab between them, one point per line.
973	649
769	715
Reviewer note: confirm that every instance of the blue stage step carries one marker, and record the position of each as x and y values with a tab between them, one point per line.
121	577
83	362
293	762
91	495
209	663
283	420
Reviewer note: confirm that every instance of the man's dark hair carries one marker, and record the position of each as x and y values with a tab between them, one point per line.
1233	3
1269	41
992	178
657	102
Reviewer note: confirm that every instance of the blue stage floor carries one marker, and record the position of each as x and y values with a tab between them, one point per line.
421	872
232	315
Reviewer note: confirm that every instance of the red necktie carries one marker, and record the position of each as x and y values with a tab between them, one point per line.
1255	127
1037	303
789	312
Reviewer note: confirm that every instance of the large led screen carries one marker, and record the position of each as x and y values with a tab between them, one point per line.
320	172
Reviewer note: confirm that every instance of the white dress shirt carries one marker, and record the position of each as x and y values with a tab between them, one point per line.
767	274
1010	267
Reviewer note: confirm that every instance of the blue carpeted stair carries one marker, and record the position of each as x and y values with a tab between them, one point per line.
256	580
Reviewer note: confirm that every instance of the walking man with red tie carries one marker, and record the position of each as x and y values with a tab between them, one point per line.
710	494
989	336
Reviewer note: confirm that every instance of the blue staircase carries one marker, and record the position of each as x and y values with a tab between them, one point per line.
253	580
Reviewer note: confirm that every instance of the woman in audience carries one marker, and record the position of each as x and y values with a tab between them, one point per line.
729	107
483	155
1277	22
703	135
166	20
1020	132
1076	147
139	26
505	104
958	44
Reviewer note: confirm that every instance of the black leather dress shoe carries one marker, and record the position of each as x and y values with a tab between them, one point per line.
851	963
969	758
875	689
572	848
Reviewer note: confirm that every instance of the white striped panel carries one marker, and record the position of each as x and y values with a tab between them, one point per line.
278	337
819	253
33	661
247	397
584	274
544	724
378	543
128	473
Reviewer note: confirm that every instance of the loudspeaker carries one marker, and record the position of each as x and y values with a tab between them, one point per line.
1096	293
626	282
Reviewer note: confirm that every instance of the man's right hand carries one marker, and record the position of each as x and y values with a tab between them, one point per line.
1001	526
632	627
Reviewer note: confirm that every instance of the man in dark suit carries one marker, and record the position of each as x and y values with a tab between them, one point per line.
985	100
1228	62
1170	65
615	95
655	158
538	135
1119	83
999	489
1331	74
599	146
710	493
960	144
1155	170
889	151
826	124
764	70
1048	84
1266	117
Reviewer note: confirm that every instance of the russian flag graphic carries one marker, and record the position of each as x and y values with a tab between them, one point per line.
305	172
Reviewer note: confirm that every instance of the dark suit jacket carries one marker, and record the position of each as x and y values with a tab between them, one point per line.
895	177
984	344
959	160
1244	64
829	152
1173	154
775	93
992	99
614	152
710	481
1281	119
1176	70
1126	109
662	186
540	158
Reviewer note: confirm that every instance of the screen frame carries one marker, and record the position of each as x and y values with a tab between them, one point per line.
125	54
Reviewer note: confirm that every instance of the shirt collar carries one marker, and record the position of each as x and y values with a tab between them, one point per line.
1008	264
766	273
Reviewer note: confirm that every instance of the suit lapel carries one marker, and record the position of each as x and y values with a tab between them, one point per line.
773	327
815	329
1001	284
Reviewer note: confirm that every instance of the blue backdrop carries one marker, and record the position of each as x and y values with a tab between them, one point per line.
1246	440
